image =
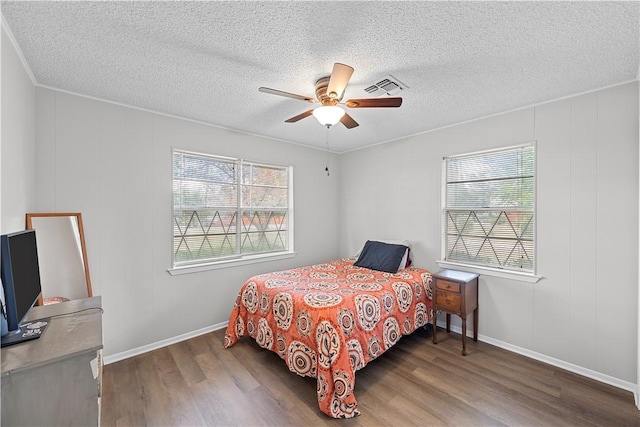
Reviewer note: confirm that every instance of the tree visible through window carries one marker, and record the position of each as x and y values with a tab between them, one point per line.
228	208
489	209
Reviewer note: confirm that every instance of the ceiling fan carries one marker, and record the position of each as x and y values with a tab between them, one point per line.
329	93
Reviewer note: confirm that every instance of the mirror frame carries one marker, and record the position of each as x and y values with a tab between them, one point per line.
85	262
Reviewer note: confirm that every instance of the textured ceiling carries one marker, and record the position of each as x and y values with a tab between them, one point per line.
206	60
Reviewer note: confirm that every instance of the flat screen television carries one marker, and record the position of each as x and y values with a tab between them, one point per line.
20	274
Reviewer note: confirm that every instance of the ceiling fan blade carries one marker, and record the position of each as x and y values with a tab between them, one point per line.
338	81
299	116
287	94
348	121
373	102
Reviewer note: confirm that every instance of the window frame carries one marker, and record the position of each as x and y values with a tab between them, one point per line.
237	259
525	276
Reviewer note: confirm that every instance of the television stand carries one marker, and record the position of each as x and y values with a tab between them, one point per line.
56	380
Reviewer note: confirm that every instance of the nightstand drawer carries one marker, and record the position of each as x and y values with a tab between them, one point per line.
448	301
448	286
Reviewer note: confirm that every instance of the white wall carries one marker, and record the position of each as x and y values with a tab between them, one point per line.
17	140
113	164
584	310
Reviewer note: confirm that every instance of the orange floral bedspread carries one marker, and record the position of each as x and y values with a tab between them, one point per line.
329	320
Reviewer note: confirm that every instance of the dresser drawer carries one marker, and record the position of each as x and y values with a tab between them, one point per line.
446	285
448	301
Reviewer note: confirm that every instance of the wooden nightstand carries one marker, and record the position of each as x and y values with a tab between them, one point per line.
456	292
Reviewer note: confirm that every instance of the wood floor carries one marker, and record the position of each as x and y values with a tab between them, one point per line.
198	383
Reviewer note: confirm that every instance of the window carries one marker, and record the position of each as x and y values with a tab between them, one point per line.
489	209
226	209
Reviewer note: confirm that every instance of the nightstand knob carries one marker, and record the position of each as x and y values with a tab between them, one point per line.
447	301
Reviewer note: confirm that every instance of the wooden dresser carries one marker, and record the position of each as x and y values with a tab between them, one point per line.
56	380
456	292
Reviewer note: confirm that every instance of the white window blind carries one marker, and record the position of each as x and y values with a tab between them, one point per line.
228	208
489	209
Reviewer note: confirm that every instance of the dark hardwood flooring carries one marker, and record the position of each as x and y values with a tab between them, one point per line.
198	383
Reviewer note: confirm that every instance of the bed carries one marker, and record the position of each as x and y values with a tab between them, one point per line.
329	320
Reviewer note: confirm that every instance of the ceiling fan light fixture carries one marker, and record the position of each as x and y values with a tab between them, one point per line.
328	115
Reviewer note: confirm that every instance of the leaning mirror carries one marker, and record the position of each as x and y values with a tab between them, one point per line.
62	255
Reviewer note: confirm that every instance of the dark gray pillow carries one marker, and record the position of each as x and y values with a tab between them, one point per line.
381	256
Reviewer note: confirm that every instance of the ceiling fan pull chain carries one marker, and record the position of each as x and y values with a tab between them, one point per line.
326	143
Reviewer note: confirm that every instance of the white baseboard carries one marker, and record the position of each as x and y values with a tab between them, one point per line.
156	345
598	376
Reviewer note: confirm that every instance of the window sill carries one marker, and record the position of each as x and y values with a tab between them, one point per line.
487	271
176	271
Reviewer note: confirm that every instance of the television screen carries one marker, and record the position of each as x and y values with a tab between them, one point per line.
20	274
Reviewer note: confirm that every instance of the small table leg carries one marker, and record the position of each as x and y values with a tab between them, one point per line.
475	325
464	336
448	322
435	326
